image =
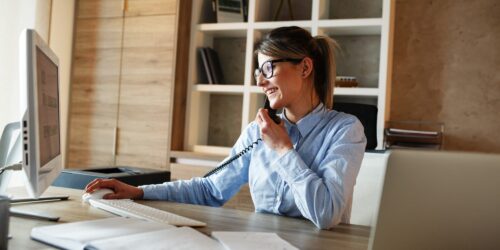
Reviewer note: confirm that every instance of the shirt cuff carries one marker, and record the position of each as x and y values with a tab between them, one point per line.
290	166
149	192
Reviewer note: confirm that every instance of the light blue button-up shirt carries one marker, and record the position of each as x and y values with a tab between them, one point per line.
314	180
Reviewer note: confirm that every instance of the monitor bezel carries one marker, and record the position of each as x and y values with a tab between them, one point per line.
39	177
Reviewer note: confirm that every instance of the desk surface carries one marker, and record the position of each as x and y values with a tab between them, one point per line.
301	233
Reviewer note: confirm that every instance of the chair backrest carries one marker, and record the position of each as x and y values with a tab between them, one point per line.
367	115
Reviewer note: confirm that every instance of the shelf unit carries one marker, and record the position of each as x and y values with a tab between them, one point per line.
217	114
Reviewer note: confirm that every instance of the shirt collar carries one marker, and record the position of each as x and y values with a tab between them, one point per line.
308	122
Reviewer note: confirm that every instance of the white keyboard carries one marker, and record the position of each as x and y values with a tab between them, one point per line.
131	209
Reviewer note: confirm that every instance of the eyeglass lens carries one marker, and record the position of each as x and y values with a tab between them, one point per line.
266	70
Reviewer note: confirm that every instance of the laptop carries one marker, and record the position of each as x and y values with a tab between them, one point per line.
439	200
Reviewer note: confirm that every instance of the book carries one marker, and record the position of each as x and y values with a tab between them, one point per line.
215	66
122	233
252	240
229	11
204	66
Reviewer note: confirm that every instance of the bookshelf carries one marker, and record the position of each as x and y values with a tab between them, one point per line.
216	114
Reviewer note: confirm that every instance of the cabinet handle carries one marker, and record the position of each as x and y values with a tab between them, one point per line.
124	5
115	139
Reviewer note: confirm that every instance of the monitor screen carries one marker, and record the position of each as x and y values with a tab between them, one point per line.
48	107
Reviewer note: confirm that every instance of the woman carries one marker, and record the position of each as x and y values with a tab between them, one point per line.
307	165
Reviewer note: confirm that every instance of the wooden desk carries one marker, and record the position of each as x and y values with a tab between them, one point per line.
301	233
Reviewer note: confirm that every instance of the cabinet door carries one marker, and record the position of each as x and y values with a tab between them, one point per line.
100	8
146	91
94	92
150	7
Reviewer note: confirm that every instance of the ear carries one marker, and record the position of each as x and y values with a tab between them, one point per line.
307	67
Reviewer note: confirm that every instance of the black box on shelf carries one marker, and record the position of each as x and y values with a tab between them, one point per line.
79	178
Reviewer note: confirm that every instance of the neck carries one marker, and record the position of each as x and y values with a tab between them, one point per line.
301	108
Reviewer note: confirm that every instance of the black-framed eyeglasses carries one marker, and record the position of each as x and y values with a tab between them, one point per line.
267	67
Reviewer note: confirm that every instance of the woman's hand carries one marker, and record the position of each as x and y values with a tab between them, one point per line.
121	190
274	135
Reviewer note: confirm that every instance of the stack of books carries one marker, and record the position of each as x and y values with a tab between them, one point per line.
406	138
230	11
210	70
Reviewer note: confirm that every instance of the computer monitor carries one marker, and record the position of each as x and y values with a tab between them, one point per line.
40	113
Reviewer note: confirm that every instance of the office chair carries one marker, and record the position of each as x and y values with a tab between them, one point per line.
367	115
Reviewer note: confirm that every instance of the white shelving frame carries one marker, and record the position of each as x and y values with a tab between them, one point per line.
198	100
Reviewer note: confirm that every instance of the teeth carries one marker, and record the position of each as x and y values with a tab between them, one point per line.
270	91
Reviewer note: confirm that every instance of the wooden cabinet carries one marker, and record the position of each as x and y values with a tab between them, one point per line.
122	83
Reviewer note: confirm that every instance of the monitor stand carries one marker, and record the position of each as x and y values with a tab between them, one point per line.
34	214
10	156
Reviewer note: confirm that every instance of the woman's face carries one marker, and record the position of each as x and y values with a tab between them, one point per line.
284	88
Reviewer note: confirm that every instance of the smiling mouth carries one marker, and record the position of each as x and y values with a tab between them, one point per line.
271	91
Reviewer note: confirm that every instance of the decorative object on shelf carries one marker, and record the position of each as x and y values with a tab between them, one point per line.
346	81
210	68
229	11
414	134
278	11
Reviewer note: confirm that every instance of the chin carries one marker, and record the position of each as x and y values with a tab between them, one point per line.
275	103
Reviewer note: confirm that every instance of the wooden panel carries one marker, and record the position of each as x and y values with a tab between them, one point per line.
181	75
150	7
94	92
98	33
241	201
145	91
457	60
100	8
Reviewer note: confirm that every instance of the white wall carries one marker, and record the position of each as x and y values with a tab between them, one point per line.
53	21
14	17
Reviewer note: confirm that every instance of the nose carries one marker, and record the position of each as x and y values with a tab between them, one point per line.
260	80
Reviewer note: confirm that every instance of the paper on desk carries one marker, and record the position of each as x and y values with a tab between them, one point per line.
77	235
252	241
174	238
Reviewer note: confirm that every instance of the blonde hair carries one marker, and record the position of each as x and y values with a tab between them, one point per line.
296	42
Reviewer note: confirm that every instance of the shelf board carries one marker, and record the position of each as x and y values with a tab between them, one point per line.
356	91
256	89
220	88
358	26
213	150
197	155
272	25
224	29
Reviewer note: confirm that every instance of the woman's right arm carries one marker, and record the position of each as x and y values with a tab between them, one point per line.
214	190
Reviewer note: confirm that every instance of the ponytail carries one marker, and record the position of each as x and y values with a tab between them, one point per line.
325	72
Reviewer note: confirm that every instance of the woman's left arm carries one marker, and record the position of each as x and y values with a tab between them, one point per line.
322	195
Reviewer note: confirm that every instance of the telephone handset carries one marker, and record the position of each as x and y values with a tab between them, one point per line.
274	117
271	112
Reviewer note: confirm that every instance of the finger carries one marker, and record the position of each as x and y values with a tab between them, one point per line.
265	116
103	183
258	118
91	184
